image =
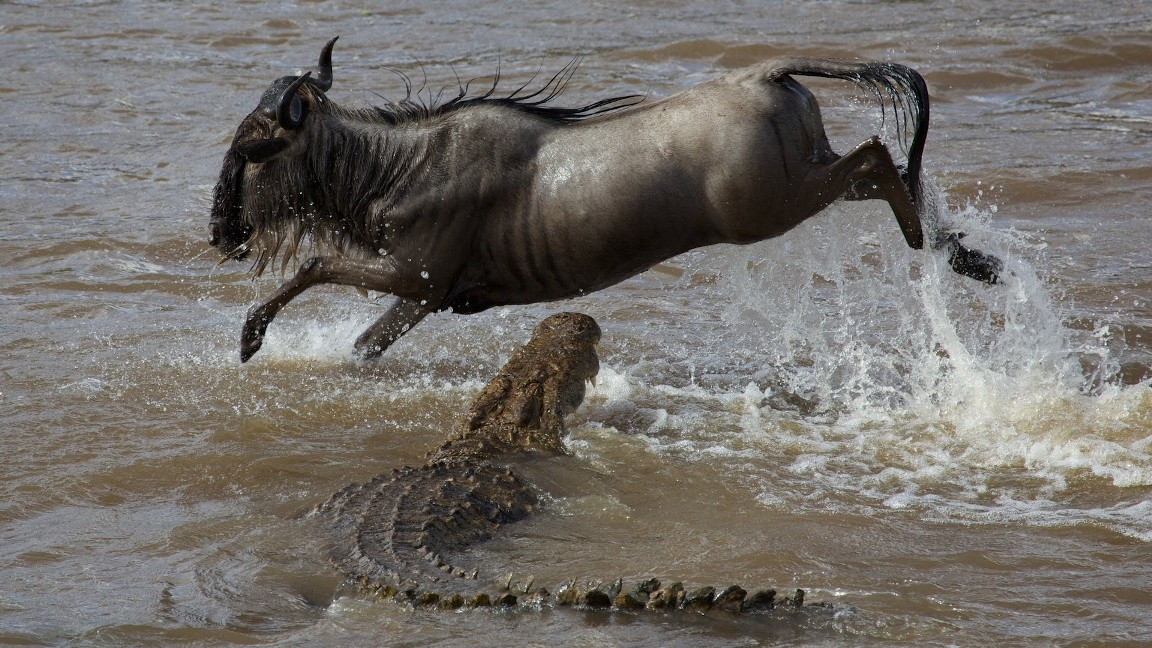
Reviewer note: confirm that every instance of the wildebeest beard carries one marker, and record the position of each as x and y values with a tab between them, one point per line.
228	233
271	214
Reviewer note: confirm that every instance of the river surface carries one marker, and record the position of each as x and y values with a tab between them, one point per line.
945	462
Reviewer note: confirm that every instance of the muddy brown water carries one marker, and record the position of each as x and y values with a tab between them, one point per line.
946	463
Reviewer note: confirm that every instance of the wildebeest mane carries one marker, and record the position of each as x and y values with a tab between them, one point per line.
412	108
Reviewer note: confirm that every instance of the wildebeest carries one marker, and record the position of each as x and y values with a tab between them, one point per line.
485	200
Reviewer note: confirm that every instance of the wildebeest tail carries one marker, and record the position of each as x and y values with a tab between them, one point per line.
890	82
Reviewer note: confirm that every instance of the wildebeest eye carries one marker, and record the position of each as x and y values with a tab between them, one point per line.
261	150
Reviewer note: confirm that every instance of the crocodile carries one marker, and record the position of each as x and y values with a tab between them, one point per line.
403	535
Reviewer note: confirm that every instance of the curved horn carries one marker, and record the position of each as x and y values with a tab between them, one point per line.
284	106
325	79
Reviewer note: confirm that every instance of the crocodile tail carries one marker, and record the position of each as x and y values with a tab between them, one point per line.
647	595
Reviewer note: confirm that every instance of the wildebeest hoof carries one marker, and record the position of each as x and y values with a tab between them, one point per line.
969	262
249	345
976	264
369	347
252	337
249	350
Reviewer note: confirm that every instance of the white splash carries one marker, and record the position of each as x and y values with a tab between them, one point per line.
883	380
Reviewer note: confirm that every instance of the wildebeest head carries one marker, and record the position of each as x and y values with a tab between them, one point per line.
255	192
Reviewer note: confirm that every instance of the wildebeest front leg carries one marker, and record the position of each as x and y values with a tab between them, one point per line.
319	270
400	318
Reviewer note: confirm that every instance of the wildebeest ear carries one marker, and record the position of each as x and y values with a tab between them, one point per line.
261	150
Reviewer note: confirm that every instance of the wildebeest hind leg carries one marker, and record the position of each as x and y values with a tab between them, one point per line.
320	270
400	318
871	174
868	171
